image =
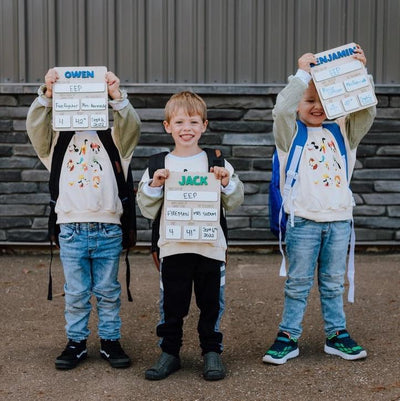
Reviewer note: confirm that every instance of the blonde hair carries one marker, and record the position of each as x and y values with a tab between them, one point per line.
191	103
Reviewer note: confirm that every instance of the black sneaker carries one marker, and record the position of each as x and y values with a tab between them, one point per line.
73	353
282	349
341	344
165	365
112	352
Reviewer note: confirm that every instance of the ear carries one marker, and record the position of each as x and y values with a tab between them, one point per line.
167	127
205	124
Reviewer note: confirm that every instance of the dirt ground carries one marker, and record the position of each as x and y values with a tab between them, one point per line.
33	335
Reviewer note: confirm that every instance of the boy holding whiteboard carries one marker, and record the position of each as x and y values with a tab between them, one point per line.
186	262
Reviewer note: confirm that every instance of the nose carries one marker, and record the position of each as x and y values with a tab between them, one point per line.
318	104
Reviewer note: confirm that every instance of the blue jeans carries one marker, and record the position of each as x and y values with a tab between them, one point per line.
90	255
311	245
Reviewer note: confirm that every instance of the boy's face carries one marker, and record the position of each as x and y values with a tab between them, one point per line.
310	110
185	130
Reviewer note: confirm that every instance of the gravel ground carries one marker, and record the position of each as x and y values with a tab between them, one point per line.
33	335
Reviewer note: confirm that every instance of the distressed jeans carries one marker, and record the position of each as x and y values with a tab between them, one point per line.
309	246
90	255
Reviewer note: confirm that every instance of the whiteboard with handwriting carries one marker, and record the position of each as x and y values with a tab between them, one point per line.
80	99
342	82
191	207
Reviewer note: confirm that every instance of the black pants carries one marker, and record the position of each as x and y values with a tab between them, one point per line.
179	273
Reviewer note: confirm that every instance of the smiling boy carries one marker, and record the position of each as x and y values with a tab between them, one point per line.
320	205
187	264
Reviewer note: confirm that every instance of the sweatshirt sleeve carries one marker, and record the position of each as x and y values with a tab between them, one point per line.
285	111
235	196
126	127
149	203
39	124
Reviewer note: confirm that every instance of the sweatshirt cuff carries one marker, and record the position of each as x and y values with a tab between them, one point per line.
230	188
304	76
119	104
153	192
43	99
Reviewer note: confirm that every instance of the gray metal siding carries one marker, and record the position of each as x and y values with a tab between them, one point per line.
193	41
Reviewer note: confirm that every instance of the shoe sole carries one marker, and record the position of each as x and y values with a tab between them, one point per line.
152	375
214	377
348	357
64	365
281	361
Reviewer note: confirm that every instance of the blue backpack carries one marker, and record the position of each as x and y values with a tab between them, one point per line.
277	216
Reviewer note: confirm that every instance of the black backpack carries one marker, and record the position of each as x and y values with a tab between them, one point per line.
126	194
157	161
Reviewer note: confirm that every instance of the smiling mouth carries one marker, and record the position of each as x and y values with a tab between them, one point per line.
186	136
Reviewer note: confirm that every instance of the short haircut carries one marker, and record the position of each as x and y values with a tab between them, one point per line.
191	103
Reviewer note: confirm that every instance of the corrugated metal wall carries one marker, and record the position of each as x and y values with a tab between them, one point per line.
193	41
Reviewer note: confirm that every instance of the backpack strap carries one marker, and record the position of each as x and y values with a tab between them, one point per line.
59	150
215	158
126	195
337	134
156	162
64	138
293	162
291	174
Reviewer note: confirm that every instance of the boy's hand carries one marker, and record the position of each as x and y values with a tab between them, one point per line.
159	177
359	55
50	79
305	61
113	85
221	173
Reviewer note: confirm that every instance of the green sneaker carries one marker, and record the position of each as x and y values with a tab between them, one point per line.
341	344
282	349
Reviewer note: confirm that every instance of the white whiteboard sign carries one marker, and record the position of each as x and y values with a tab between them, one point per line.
342	82
191	207
80	99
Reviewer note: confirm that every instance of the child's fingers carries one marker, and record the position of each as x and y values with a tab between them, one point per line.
220	172
306	60
51	76
112	80
360	55
162	174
